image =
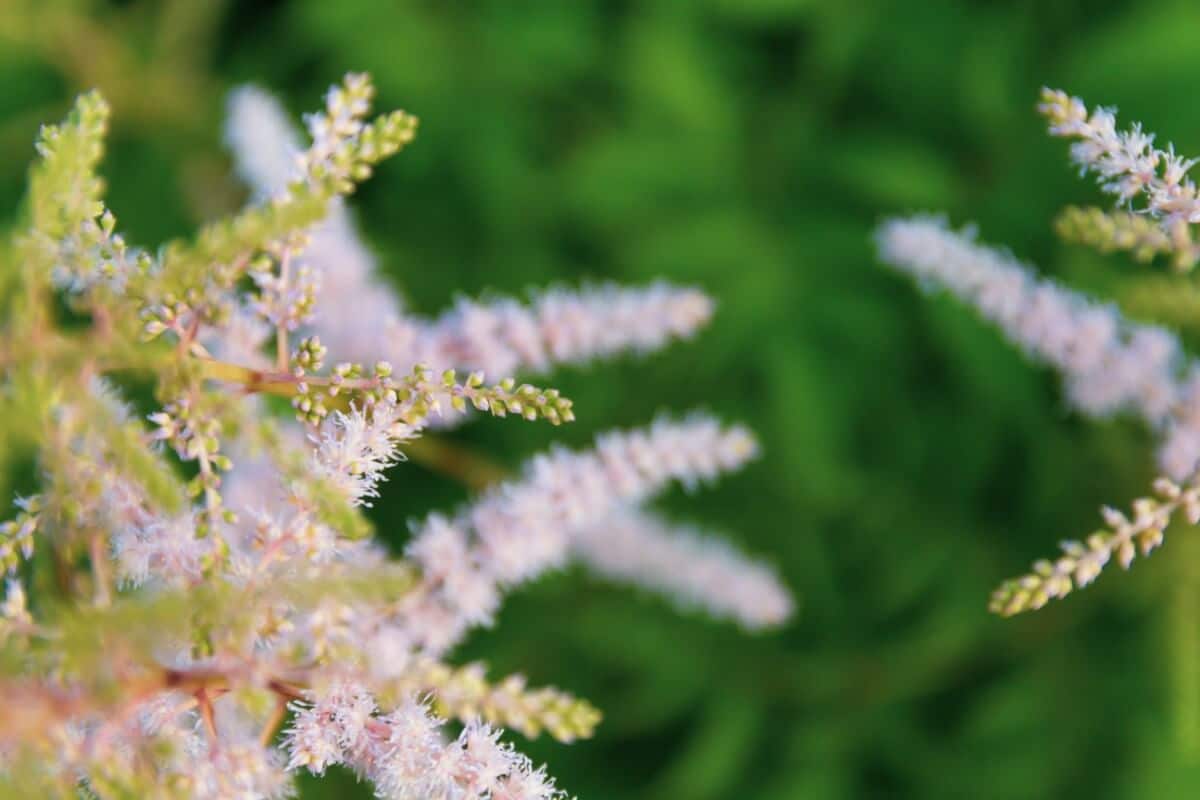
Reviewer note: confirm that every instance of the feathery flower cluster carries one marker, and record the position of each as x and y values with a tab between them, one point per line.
1108	364
690	567
222	626
243	766
403	753
521	529
558	327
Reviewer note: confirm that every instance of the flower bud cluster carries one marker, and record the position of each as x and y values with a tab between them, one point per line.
344	146
1122	539
194	433
73	231
464	693
1140	235
286	296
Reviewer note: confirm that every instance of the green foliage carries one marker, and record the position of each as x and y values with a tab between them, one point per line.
912	459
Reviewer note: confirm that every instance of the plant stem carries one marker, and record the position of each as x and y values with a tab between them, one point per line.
100	576
281	333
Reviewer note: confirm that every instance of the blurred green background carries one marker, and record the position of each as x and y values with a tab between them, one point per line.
913	459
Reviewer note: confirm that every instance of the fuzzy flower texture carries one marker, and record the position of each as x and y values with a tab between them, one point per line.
1109	364
196	606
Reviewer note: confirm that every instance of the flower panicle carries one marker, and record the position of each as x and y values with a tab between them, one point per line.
65	186
403	753
523	528
693	569
1123	538
559	326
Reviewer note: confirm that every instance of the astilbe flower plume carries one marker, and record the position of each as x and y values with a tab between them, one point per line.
224	615
522	528
694	568
1109	364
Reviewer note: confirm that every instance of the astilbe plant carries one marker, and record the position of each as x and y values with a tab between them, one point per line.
196	606
1109	364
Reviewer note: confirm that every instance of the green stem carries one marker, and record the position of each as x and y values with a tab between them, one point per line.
282	384
1185	645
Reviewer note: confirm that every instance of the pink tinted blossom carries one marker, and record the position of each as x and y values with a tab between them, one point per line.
524	528
687	566
403	752
1108	363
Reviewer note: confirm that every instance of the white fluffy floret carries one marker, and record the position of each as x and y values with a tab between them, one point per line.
524	528
403	752
1126	163
560	326
1108	364
689	567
